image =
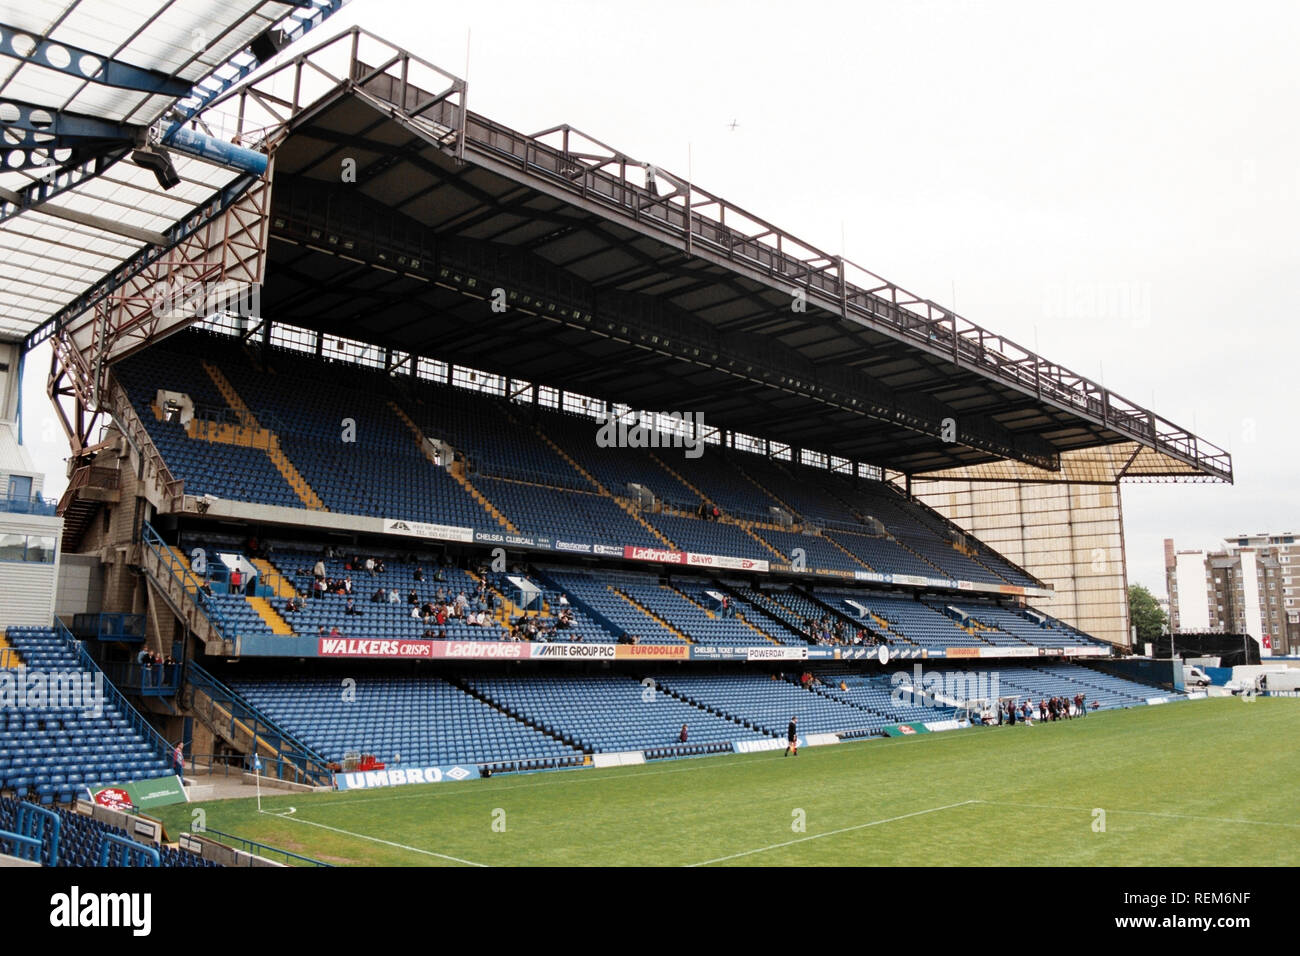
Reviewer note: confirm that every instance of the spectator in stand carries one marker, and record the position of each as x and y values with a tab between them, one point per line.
412	598
319	569
682	736
393	596
370	566
419	574
347	584
379	566
352	608
291	605
236	581
415	613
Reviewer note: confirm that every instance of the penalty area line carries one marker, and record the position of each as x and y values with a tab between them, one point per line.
362	836
818	836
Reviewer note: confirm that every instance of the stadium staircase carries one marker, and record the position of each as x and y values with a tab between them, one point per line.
161	487
250	433
623	503
232	719
508	610
682	478
851	622
513	712
748	527
274	578
270	615
672	629
169	575
9	655
713	615
781	615
794	512
847	553
457	469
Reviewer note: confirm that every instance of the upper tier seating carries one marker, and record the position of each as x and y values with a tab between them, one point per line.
356	437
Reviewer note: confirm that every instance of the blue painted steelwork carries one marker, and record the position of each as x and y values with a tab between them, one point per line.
200	96
116	850
107	71
193	143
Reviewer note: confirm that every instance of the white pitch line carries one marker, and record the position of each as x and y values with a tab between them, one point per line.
362	836
818	836
1144	813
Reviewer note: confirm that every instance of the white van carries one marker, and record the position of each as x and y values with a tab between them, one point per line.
1193	676
1288	680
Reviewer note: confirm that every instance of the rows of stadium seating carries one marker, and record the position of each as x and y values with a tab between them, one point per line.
915	620
52	753
81	838
767	703
224	471
593	591
422	721
879	693
336	424
550	721
609	604
608	713
709	537
1012	622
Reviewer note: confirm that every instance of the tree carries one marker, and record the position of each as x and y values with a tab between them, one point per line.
1145	613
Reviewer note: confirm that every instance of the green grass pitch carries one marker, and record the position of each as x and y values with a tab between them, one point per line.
1199	783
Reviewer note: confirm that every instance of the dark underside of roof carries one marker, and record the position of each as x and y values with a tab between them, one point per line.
407	257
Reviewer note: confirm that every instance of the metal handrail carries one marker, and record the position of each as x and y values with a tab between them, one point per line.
137	719
254	848
310	765
187	579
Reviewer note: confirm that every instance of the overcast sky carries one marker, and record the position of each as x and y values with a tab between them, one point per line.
1117	185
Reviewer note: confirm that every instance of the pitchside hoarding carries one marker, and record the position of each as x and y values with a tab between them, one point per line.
401	776
140	794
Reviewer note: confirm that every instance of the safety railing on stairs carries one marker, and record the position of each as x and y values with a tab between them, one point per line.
142	726
292	760
186	585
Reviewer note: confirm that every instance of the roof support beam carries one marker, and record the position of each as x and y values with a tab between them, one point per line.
87	219
86	65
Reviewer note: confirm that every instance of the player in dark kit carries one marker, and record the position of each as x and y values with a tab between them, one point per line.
792	738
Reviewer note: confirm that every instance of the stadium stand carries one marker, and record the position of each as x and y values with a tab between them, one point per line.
420	721
82	839
52	753
340	436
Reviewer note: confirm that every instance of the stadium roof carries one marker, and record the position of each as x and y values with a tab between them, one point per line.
83	83
396	213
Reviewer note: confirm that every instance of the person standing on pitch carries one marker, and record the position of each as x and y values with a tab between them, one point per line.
792	738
